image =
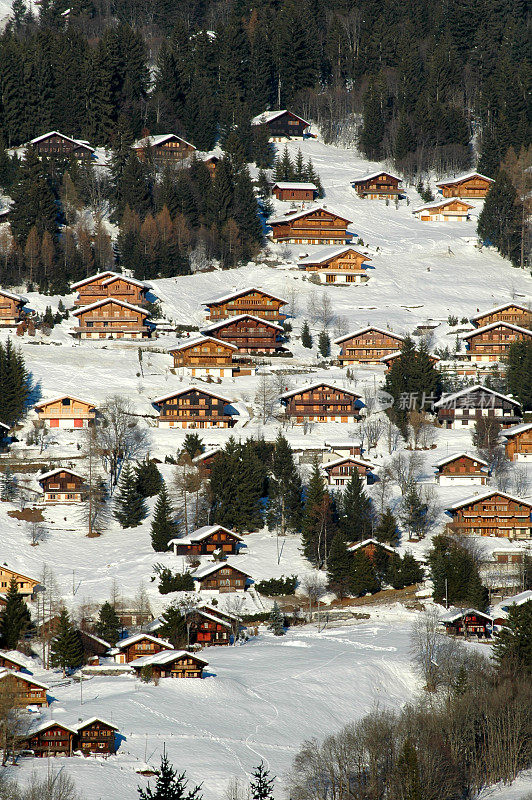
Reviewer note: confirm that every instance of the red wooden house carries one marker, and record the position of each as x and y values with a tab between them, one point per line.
137	646
378	185
295	191
11	308
206	540
249	333
171	664
389	359
192	407
471	185
50	738
222	577
492	342
464	408
340	470
462	469
322	402
317	225
282	125
367	345
257	302
371	548
492	513
512	313
163	149
518	442
208	628
62	486
467	622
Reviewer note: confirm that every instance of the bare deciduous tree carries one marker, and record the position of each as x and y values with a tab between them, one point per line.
118	435
406	468
265	397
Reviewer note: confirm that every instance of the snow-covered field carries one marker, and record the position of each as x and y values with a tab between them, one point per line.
265	697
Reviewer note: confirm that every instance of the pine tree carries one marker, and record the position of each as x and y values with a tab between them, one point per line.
408	773
246	211
169	785
324	344
148	478
276	621
519	372
411	570
283	168
66	646
285	501
135	190
249	489
372	132
14	384
363	576
306	338
356	510
261	784
499	222
193	445
454	574
129	506
512	648
339	566
163	525
174	627
15	618
386	530
318	524
108	625
415	512
262	151
34	202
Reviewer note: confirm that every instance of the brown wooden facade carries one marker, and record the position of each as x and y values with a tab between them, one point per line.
444	211
512	313
66	412
205	460
492	342
322	402
249	333
193	407
464	408
96	737
111	319
26	586
11	308
176	664
222	577
367	346
206	629
51	739
377	186
109	284
138	646
462	468
492	514
518	442
471	186
338	265
339	472
313	226
55	144
205	355
11	662
282	125
163	150
62	486
206	540
295	192
256	302
25	690
469	623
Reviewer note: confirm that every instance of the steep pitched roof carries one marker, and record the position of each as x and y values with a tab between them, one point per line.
315	385
92	278
466	176
496	324
240	292
449	398
352	459
269	116
199	340
137	636
366	330
305	213
494	310
230	320
4	673
327	253
189	388
485	496
366	542
78	142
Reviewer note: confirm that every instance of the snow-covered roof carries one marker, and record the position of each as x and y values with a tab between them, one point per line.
13	296
295	185
217	611
212	617
206	454
366	542
119	276
452	614
104	302
202	572
14	656
304	213
202	533
326	253
484	496
4	673
269	116
230	320
496	309
442	203
164	658
466	176
240	292
449	398
59	469
90	721
515	600
137	636
189	388
366	330
516	429
352	459
375	175
496	324
51	723
80	142
310	386
161	138
63	397
454	456
342	443
92	278
200	340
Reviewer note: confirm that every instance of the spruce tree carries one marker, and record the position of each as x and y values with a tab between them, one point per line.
411	570
193	445
324	344
276	621
66	646
134	189
285	492
262	151
519	372
339	566
356	510
108	625
415	512
408	773
15	618
306	338
386	530
318	524
372	131
363	576
512	648
174	627
14	384
129	506
249	489
148	478
169	785
261	784
163	525
499	222
34	202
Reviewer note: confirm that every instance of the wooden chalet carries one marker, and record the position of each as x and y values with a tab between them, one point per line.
367	345
464	408
50	739
342	448
501	610
337	265
204	460
295	191
222	577
211	163
66	411
467	622
111	319
164	149
462	469
110	284
11	308
389	359
450	210
138	646
25	689
12	660
470	185
282	125
378	185
249	333
54	144
96	736
502	570
371	548
208	628
317	225
171	664
257	302
206	540
62	486
322	402
205	355
492	342
192	407
339	471
492	513
518	442
512	313
26	586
